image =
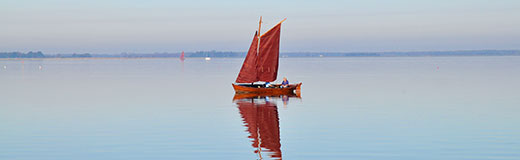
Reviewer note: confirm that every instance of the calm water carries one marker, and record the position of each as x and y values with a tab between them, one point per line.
351	108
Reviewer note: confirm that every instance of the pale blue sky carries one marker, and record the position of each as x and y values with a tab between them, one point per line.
104	26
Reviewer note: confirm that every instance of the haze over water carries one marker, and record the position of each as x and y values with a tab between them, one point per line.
351	108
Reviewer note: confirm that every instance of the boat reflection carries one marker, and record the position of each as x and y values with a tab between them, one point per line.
267	96
260	116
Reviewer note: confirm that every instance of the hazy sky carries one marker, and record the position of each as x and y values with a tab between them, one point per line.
105	26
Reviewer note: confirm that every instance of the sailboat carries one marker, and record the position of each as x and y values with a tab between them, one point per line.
261	64
182	56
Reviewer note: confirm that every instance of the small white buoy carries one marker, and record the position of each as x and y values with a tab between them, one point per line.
207	58
5	67
321	55
40	67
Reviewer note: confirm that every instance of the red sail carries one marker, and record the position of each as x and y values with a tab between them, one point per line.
267	63
248	72
182	56
262	124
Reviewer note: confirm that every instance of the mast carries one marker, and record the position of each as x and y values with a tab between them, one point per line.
259	33
258	45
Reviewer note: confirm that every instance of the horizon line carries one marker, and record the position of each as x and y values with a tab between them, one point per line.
285	52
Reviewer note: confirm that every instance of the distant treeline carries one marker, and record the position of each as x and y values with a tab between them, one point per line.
283	54
331	54
73	55
168	55
39	54
22	55
406	54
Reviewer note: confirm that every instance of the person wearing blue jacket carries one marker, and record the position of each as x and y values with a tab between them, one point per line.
285	82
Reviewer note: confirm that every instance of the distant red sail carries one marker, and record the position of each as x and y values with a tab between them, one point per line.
248	73
182	56
267	62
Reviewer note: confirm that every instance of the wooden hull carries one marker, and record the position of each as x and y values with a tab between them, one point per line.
239	96
287	90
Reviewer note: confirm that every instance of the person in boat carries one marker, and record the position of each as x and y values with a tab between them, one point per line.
285	83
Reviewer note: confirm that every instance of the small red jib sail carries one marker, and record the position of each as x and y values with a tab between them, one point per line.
248	72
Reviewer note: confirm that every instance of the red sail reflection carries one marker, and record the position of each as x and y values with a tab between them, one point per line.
261	120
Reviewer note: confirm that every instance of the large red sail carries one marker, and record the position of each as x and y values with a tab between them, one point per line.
248	73
267	62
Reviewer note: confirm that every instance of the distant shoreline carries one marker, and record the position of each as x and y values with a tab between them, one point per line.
220	54
202	58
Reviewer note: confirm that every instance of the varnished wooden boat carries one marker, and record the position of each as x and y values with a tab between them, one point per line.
239	96
261	64
291	89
